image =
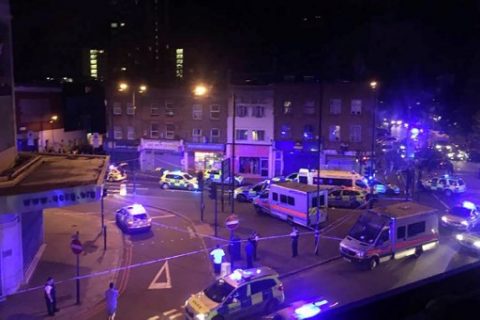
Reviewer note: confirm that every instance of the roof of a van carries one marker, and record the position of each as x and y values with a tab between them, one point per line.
403	209
335	173
301	186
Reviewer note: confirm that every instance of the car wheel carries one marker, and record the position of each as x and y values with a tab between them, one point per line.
271	306
241	198
372	263
165	186
418	252
189	187
448	192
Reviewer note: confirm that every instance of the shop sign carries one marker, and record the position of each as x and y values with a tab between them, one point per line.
162	145
205	147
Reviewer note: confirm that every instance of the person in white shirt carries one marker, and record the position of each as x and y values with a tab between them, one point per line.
48	294
111	297
217	258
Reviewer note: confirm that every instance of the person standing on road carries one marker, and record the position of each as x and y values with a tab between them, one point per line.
317	240
54	295
47	292
217	257
249	253
111	300
294	235
253	239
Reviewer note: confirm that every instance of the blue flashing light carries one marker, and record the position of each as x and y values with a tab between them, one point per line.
321	303
468	205
307	311
370	178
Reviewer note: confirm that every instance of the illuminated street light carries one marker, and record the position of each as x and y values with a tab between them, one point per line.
54	118
122	86
373	84
142	88
200	90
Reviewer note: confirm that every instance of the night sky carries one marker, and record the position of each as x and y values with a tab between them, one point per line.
418	50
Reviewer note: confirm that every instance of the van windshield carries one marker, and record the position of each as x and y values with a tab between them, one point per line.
367	228
361	184
218	291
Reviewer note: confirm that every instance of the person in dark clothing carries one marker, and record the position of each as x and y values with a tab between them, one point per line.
249	253
294	235
54	296
253	239
317	240
47	292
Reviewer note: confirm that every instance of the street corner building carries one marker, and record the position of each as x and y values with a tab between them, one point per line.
32	182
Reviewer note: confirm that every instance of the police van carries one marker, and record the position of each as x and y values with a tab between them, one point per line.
391	232
240	295
297	203
337	178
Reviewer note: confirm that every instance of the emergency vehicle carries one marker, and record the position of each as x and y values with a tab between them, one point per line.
336	178
240	295
178	180
391	232
297	203
446	184
261	202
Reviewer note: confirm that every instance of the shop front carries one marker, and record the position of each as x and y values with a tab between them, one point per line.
253	161
165	154
203	156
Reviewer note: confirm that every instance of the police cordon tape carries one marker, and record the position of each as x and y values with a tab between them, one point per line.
150	262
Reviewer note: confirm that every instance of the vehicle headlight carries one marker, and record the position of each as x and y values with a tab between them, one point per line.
477	244
361	254
459	237
444	219
465	223
201	316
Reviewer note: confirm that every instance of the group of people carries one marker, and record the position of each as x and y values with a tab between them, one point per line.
50	294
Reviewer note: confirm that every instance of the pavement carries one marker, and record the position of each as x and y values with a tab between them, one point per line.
59	262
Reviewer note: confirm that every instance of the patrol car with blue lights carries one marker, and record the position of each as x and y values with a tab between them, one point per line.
178	180
301	310
247	193
133	218
465	216
241	294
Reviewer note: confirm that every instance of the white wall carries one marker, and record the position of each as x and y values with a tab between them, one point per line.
11	251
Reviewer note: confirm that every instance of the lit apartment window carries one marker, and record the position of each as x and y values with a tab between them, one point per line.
335	106
170	131
308	132
285	131
117	133
356	133
334	133
309	107
117	108
197	112
215	135
258	135
287	107
242	111
258	112
114	25
197	135
155	110
356	106
178	63
130	109
154	131
130	133
241	134
214	112
169	108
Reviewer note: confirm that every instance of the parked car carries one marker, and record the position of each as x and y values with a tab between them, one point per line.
291	177
299	310
133	218
247	193
465	216
216	177
116	174
178	180
382	188
347	197
447	184
469	240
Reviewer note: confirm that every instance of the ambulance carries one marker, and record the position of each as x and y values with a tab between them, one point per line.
297	203
392	232
241	294
337	178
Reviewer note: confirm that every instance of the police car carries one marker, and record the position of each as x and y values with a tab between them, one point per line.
446	184
247	193
239	295
178	180
300	310
116	174
347	197
133	218
216	176
462	217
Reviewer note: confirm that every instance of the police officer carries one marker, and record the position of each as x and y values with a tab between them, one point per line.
253	239
217	257
249	253
317	240
294	235
49	300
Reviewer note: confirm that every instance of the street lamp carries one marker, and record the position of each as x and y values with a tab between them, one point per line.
200	90
373	86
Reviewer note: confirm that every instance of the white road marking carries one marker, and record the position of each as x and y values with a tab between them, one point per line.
191	232
164	216
162	285
175	316
154	318
443	203
169	312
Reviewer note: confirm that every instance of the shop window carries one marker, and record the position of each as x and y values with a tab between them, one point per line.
155	110
258	112
356	106
118	132
215	135
308	132
197	135
356	133
335	106
197	112
214	112
250	165
309	107
334	133
169	108
285	131
287	107
170	131
117	108
258	135
154	131
130	133
130	109
242	111
241	134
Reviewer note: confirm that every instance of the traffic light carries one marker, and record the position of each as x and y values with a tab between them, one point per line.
200	180
213	191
